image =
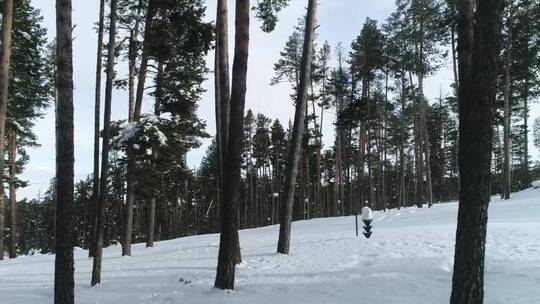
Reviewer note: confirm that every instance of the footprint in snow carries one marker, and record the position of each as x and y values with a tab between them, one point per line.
186	282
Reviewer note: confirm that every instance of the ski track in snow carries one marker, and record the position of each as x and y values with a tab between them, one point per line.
408	259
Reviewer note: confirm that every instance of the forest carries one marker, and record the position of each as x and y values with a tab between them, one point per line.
391	147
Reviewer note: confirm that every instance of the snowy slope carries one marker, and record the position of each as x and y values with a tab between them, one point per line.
407	260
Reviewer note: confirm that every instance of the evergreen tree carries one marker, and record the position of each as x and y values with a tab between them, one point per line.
298	130
536	131
28	97
479	45
103	186
5	58
525	85
97	116
229	248
64	284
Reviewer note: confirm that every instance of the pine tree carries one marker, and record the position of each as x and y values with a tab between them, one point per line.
536	132
506	178
366	61
479	46
97	117
137	109
181	70
278	153
339	89
64	277
229	248
298	130
222	94
525	84
5	58
423	22
103	186
28	97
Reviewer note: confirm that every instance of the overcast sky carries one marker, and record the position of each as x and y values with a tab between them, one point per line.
340	21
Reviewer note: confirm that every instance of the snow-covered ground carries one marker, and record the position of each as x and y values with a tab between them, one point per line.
407	260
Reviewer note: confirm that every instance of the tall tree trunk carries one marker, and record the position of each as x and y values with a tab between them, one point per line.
506	181
153	200
131	166
132	61
338	180
479	47
5	62
103	191
229	248
13	193
424	153
402	192
305	158
298	130
317	210
63	270
527	173
97	109
222	91
456	89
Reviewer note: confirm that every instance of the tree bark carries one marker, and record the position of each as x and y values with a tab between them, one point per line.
402	185
229	243
153	200
5	62
132	62
222	91
97	109
13	194
298	130
527	173
63	275
506	181
424	134
103	191
479	47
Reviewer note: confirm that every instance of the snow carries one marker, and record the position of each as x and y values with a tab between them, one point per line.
407	260
17	125
367	214
26	35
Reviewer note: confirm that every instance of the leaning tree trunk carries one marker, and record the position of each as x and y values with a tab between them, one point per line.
63	274
479	47
5	62
97	106
229	242
298	130
103	191
13	193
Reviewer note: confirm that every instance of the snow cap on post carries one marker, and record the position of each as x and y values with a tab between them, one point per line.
367	214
